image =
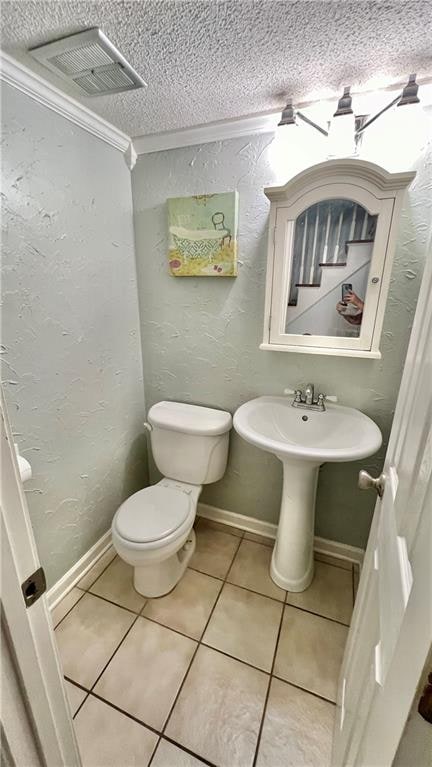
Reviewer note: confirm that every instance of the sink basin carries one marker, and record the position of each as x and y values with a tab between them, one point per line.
302	439
337	434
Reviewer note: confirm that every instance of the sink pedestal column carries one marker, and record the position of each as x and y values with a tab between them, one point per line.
292	565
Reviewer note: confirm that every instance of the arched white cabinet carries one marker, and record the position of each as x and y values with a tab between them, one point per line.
331	244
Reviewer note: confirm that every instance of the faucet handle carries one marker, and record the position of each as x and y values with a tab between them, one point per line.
297	394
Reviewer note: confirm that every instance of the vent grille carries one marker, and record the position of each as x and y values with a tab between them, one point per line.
112	78
89	62
86	57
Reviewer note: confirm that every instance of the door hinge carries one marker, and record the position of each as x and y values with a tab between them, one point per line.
33	587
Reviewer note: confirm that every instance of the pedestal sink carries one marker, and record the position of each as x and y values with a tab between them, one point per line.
302	439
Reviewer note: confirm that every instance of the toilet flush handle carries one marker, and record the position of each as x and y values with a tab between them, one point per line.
148	426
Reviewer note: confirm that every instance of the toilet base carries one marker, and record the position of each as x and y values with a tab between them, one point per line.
159	578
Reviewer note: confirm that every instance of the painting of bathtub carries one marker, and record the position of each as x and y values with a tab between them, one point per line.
203	235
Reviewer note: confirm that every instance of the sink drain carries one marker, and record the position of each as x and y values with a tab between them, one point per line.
305	418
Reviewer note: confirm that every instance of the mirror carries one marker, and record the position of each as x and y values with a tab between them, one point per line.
332	234
332	250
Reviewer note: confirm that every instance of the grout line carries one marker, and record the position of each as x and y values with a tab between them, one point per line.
125	713
245	588
196	649
77	684
258	742
233	559
318	615
111	657
116	604
304	689
164	626
154	750
69	611
235	657
187	750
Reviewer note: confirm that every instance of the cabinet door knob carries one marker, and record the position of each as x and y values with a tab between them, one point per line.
366	482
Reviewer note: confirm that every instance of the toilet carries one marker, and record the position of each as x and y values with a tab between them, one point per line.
153	529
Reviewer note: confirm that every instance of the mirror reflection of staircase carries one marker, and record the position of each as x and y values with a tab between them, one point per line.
314	311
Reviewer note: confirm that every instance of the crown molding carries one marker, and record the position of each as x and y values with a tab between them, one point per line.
204	134
23	79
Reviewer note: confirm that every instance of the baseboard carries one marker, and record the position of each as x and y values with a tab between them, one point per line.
268	530
71	578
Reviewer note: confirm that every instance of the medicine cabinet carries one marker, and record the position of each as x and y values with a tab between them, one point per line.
331	244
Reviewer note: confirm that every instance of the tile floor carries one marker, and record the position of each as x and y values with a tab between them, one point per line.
228	670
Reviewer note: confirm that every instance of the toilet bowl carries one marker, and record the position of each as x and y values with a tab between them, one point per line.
153	529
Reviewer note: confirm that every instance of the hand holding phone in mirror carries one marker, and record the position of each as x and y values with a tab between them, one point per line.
351	306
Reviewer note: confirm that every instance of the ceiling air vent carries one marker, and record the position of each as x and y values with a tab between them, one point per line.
90	62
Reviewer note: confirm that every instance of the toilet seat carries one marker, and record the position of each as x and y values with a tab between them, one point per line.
153	514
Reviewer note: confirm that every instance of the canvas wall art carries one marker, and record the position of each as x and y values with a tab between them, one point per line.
203	235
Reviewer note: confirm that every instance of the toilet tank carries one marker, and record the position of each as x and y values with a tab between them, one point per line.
189	442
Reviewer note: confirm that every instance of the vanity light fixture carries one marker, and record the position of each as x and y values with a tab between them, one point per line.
346	131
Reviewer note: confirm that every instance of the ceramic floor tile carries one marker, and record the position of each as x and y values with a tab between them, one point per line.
214	551
168	755
107	738
310	652
88	636
187	608
259	539
330	593
297	729
65	605
146	672
251	569
89	578
219	710
245	625
75	696
345	564
116	584
202	524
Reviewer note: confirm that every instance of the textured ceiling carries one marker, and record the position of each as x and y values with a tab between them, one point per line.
207	60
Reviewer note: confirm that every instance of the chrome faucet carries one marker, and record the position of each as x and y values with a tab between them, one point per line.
307	400
309	394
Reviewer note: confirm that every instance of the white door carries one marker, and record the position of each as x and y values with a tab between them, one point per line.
391	630
26	628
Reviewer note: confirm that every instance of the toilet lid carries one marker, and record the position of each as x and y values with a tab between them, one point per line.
152	514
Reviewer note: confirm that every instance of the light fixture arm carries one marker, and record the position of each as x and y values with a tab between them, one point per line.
311	123
378	114
408	96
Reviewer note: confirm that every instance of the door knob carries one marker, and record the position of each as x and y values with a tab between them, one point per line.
365	482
